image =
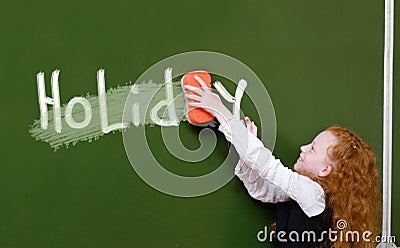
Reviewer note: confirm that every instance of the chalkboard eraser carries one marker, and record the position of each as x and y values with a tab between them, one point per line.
196	116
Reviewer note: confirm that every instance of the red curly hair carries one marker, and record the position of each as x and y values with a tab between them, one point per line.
352	189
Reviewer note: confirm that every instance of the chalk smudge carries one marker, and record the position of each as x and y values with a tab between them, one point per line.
144	97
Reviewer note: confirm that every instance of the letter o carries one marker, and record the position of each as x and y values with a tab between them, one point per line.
87	111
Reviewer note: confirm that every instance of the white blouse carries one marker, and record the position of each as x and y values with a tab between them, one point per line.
265	177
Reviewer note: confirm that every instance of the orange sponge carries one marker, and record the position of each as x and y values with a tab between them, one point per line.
196	115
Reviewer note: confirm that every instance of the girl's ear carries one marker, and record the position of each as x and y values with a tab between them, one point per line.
326	171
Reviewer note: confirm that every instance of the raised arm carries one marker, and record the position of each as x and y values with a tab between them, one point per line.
257	187
306	192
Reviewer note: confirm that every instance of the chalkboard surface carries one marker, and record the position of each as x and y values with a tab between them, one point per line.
321	63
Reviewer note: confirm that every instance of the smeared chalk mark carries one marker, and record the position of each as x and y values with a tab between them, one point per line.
135	89
141	103
87	118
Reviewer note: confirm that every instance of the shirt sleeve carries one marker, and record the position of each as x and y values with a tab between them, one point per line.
306	192
257	187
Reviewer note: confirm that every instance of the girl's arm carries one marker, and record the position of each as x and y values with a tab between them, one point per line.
257	187
306	192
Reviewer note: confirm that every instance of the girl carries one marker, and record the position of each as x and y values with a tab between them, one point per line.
332	196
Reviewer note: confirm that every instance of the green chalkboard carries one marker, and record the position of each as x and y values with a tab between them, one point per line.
321	63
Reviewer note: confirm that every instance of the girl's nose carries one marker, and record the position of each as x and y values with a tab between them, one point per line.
303	148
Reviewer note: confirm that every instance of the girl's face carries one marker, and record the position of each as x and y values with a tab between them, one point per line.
314	161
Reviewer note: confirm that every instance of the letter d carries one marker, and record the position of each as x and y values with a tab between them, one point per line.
260	233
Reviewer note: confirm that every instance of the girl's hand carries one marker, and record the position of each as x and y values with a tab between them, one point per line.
204	98
253	130
251	126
